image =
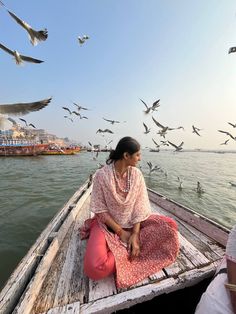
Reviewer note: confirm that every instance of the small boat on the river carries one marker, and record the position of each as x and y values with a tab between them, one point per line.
50	278
56	150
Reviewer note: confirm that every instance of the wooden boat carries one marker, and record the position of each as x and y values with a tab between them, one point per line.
61	151
22	149
50	277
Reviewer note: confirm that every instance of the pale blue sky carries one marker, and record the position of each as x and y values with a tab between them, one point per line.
173	50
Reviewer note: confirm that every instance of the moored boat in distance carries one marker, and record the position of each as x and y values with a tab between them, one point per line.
21	148
58	150
50	278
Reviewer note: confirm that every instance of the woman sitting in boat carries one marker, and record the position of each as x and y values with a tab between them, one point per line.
125	237
220	296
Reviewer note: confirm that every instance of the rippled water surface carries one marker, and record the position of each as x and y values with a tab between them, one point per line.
33	189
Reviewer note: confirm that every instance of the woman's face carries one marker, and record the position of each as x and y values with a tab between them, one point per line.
134	158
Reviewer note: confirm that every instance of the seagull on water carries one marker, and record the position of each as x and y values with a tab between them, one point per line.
199	189
18	57
180	183
35	36
154	106
232	183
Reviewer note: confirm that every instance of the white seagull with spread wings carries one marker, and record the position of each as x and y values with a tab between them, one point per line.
35	36
20	109
19	58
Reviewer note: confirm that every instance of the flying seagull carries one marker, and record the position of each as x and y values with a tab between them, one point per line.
232	49
68	118
229	134
35	36
19	58
152	168
19	109
83	39
154	106
196	130
157	145
232	124
79	107
67	109
104	131
111	121
26	124
147	130
177	148
225	143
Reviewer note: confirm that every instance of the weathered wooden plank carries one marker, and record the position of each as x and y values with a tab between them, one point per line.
66	309
101	288
78	285
200	222
45	298
64	283
157	276
195	256
27	301
128	298
14	287
212	250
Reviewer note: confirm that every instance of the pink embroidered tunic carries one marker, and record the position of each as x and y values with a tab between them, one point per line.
158	234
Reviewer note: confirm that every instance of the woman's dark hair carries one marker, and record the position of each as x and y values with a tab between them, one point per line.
126	145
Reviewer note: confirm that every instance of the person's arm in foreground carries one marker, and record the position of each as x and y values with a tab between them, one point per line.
231	266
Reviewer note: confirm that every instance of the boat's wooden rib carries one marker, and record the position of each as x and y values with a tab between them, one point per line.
58	283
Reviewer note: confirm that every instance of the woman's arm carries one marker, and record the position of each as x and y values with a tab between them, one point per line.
110	222
134	244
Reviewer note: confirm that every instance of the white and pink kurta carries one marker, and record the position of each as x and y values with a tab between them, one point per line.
158	234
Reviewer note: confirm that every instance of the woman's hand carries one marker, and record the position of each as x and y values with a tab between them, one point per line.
134	245
125	236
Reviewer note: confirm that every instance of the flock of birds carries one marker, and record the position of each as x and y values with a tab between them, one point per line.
35	37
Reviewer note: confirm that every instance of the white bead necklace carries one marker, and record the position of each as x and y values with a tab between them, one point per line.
127	188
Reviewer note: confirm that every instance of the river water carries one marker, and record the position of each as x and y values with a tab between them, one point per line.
33	189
